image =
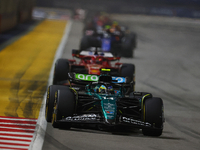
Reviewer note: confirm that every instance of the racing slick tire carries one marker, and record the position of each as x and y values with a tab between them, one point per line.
128	70
61	71
133	37
50	100
153	113
85	43
64	106
127	47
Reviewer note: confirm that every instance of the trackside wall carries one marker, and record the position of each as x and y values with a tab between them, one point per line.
13	12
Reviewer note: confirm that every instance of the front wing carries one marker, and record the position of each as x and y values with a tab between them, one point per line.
97	119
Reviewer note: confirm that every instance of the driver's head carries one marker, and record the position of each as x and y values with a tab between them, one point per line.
102	89
107	27
99	60
110	89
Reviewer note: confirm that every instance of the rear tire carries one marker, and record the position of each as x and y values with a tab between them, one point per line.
127	47
128	70
61	71
65	106
50	100
85	43
133	36
153	114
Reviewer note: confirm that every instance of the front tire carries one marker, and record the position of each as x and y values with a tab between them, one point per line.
61	71
64	106
153	113
50	100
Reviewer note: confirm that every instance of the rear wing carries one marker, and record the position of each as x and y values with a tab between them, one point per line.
84	79
92	53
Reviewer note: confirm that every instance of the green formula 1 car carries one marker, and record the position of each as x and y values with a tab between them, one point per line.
94	99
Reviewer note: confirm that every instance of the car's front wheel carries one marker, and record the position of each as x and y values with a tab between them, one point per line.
50	100
61	71
153	113
64	106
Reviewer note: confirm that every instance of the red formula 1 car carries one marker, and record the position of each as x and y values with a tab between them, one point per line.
90	63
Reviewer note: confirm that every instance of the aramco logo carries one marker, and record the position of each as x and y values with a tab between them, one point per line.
87	77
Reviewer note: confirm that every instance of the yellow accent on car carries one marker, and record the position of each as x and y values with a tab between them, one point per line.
103	69
143	106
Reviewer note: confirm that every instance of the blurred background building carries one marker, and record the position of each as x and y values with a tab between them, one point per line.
181	8
13	12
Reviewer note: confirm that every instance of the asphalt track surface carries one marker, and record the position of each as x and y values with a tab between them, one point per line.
167	62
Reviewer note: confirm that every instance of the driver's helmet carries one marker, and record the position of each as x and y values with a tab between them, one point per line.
110	88
107	27
115	23
102	89
115	26
99	60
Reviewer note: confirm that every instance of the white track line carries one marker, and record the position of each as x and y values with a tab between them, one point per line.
24	129
14	142
16	137
16	133
13	146
13	119
39	135
17	124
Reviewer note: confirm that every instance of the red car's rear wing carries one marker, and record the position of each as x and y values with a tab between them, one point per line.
97	54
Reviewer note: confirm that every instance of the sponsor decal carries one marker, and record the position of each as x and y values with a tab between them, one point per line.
103	69
106	44
95	78
116	91
109	112
109	107
94	71
84	117
136	122
76	88
87	77
90	53
119	79
89	32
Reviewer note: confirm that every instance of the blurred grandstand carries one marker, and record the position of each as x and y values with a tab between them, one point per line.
181	8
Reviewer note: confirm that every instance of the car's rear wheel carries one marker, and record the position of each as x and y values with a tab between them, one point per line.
153	113
61	71
64	106
128	70
85	43
50	100
127	47
133	36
